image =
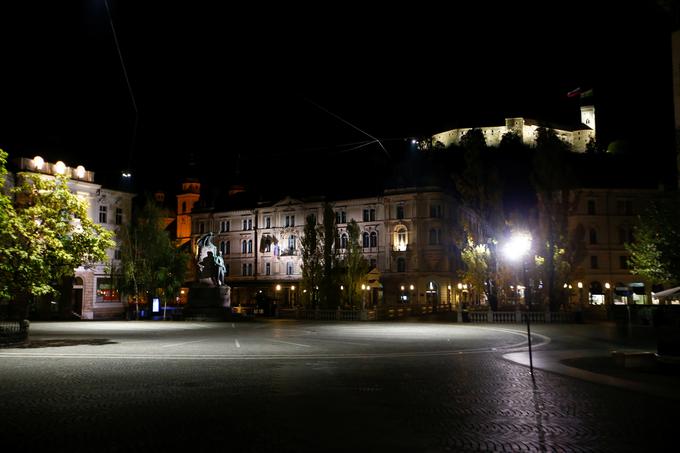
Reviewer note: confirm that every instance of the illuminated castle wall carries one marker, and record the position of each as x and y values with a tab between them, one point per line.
577	136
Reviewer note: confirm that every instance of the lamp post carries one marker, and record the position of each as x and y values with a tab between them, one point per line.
411	287
516	249
580	295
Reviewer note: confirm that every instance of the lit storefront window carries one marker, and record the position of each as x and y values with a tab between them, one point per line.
106	292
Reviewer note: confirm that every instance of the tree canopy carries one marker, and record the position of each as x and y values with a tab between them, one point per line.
654	253
45	234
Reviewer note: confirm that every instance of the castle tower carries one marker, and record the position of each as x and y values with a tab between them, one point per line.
588	116
191	193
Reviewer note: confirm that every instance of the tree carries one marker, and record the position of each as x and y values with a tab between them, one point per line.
653	254
330	288
312	270
552	178
45	234
355	265
150	264
480	188
476	258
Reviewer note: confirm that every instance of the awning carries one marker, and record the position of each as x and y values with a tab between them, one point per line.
666	293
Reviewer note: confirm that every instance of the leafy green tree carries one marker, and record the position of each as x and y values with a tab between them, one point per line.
312	269
476	273
355	265
654	253
330	282
150	264
45	234
551	177
480	187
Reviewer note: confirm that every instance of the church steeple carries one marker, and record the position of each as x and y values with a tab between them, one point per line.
186	200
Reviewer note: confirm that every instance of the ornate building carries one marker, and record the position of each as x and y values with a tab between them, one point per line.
92	295
406	236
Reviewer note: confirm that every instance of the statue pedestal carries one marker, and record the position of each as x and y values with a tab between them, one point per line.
208	303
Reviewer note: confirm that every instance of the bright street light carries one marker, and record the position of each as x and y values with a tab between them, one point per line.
516	249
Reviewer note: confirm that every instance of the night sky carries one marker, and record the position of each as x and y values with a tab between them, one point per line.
268	83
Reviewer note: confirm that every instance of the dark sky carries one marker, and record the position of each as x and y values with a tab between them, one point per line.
259	82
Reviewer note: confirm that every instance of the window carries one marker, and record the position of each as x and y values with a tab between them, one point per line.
366	240
623	262
289	268
340	217
119	216
435	236
369	215
624	207
591	207
291	243
343	241
593	262
435	210
245	224
401	239
267	269
223	247
184	206
244	269
250	268
267	222
201	227
374	263
224	226
244	246
400	212
117	254
105	291
592	235
289	221
401	265
227	248
250	224
102	214
374	239
250	246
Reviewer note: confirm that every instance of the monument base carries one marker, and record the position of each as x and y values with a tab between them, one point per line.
208	303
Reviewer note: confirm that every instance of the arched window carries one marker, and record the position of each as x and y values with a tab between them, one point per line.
343	241
223	247
400	238
250	246
592	235
78	281
366	240
374	239
244	247
401	265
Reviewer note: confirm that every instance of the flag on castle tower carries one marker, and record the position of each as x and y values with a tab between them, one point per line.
573	93
587	94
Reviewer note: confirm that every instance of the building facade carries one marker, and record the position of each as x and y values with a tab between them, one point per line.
92	295
406	237
603	221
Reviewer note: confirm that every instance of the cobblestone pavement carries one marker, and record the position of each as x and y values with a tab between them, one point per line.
329	391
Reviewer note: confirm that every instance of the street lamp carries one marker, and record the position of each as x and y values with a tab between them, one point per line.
608	289
580	294
516	249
